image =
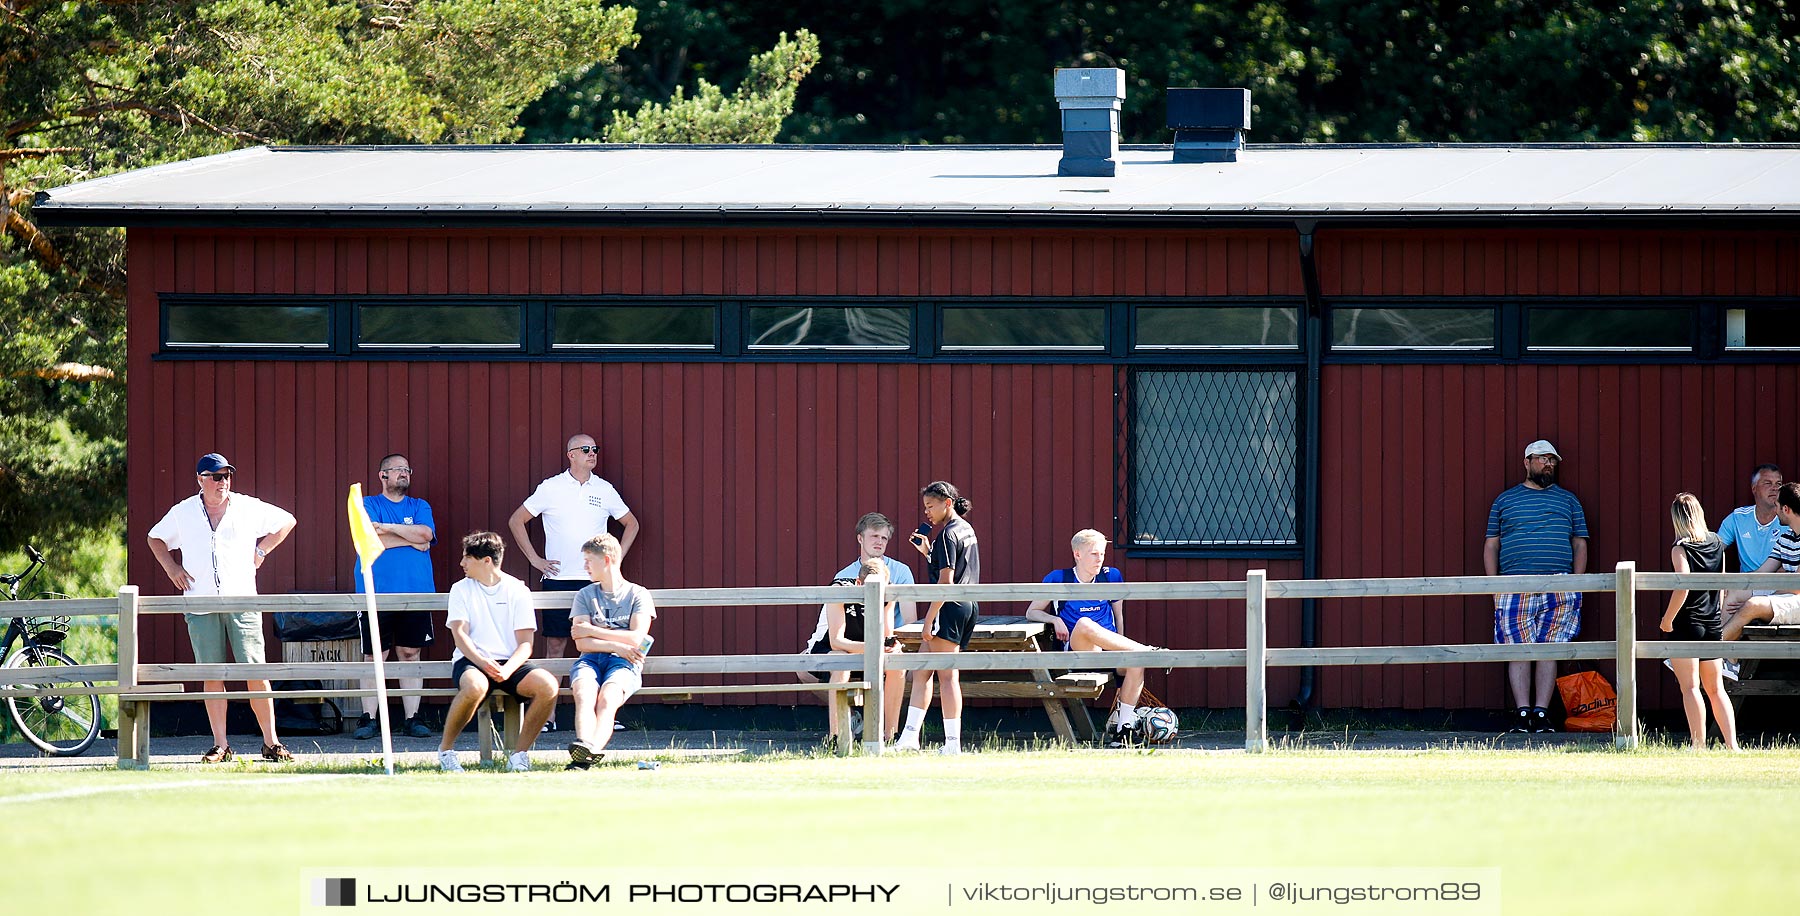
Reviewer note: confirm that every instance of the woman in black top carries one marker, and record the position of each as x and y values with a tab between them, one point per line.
953	559
1694	616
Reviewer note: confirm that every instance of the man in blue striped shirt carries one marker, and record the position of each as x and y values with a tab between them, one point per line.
1536	528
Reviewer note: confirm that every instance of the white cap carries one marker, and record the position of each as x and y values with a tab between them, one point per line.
1541	447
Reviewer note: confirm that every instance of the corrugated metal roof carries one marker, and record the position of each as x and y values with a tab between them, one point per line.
605	183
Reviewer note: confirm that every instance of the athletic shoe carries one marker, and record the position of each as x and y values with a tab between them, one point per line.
1523	725
276	753
950	750
416	729
1118	736
519	762
550	726
907	744
365	728
220	753
575	765
448	763
1730	669
618	726
583	753
1540	722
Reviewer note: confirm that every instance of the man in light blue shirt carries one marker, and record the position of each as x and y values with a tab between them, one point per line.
1753	530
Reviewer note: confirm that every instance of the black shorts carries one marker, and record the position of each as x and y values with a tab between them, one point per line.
510	685
955	622
411	629
556	623
1688	629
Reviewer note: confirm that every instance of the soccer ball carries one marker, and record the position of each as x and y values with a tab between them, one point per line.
1159	725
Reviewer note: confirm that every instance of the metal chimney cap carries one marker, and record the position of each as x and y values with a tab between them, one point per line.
1089	83
1209	109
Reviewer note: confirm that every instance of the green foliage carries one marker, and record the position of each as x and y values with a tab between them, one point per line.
1331	70
752	114
90	89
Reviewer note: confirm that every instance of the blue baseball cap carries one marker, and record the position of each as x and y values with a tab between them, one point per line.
211	462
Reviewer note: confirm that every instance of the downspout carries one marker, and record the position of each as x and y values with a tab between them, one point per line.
1314	331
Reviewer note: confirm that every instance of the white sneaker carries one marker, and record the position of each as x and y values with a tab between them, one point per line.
519	762
448	763
1730	669
907	744
950	750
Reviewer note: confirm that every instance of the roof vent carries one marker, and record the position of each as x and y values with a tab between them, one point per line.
1090	100
1209	124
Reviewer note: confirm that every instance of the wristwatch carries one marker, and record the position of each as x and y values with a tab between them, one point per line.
261	552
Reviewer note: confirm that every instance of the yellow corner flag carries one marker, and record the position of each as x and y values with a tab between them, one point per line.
362	531
369	546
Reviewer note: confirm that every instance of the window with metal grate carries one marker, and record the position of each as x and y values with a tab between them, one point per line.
1214	458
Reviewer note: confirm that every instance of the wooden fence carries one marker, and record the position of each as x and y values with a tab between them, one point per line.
129	676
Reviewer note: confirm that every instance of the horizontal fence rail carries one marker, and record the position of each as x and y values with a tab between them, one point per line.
156	680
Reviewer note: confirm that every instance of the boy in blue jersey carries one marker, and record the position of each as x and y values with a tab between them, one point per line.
407	530
1096	625
1536	528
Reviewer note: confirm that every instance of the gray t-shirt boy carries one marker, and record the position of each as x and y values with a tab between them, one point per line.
612	611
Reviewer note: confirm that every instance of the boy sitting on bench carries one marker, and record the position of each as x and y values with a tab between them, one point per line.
491	617
610	622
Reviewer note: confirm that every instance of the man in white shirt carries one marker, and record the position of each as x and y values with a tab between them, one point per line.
575	506
223	538
491	621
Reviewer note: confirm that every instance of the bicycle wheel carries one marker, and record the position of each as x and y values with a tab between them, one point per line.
60	726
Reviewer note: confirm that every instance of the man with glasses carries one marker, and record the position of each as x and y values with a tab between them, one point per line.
407	530
223	538
575	506
1752	530
1536	528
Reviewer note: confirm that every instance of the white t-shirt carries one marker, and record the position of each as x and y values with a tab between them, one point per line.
222	561
492	615
572	513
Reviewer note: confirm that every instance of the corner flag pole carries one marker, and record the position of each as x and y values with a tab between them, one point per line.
368	547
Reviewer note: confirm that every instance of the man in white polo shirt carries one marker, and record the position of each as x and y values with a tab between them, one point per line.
223	538
575	506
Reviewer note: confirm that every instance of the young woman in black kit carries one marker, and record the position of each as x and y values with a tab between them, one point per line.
1694	616
952	559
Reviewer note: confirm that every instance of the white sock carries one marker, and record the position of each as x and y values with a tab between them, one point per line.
952	731
1127	716
909	734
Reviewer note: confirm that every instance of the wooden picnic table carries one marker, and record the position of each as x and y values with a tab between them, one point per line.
1766	677
1061	691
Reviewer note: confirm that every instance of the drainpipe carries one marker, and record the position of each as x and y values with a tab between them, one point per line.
1314	336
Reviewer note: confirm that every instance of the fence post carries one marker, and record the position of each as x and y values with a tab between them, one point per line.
875	625
1256	646
134	718
1625	731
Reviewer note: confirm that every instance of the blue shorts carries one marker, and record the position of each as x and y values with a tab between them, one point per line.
606	668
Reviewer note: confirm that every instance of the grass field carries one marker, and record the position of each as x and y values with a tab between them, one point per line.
1572	831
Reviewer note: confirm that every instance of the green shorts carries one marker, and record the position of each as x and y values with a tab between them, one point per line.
212	635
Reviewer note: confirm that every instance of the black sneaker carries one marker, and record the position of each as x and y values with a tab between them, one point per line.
1117	736
365	728
577	765
580	752
416	729
1523	725
1540	722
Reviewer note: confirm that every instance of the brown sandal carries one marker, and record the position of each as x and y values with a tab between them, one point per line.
276	753
220	753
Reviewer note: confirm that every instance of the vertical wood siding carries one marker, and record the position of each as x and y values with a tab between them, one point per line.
753	474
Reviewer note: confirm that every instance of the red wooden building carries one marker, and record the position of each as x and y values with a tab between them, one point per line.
1319	360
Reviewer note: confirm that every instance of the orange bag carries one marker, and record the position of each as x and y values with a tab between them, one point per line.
1590	700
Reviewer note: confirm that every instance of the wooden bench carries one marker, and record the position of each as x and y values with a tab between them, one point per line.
1766	677
134	704
1062	692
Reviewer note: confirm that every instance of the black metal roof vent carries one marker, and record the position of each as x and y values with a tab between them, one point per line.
1209	124
1089	98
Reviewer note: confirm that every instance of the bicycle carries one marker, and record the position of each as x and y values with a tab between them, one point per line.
61	726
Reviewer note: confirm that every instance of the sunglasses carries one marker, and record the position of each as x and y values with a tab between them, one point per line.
586	449
221	475
396	470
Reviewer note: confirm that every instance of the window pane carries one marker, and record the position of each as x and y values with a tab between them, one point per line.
1035	328
249	326
1172	326
1763	327
863	327
1213	457
1412	328
1609	329
634	326
440	325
